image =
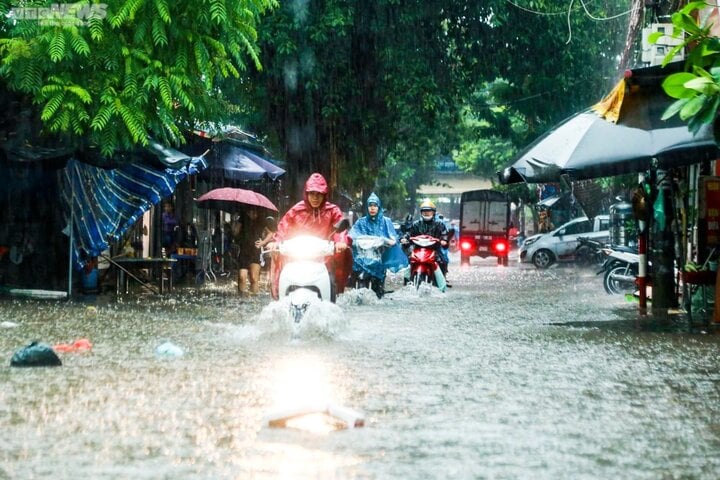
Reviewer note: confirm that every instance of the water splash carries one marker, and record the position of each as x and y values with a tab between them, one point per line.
321	320
358	296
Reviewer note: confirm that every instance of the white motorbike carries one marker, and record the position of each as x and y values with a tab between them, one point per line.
304	278
620	270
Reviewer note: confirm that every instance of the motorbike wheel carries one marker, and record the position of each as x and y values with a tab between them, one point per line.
418	279
615	286
584	256
377	287
361	282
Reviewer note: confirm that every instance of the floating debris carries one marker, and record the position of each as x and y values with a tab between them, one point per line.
337	416
168	350
79	345
35	355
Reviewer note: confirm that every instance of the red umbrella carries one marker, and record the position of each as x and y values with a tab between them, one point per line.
228	199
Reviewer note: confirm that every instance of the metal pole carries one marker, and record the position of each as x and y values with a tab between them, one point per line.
642	252
72	228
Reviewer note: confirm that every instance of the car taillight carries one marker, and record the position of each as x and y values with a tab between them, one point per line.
500	247
466	245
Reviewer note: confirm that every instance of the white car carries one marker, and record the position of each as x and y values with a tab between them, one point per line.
559	245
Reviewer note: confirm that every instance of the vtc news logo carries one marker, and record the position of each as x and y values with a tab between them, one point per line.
60	13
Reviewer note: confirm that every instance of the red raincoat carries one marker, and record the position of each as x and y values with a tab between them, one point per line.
302	219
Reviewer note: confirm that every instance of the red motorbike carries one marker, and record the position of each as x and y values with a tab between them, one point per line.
423	260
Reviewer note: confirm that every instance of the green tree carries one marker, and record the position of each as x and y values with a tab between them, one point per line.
110	75
544	63
371	93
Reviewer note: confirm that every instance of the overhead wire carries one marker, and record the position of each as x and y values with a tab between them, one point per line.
568	12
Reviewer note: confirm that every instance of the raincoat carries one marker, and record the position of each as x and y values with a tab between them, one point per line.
392	258
302	219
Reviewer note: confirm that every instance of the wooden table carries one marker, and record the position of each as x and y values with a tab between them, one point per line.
159	268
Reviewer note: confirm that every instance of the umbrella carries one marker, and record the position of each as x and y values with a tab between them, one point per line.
228	199
588	146
230	161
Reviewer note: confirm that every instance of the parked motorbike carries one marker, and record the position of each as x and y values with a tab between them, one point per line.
423	260
620	269
590	252
367	256
304	278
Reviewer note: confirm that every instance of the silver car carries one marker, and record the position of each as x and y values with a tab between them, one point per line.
560	245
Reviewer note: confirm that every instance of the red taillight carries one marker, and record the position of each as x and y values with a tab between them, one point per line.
500	247
466	245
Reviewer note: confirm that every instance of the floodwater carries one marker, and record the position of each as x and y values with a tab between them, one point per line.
513	373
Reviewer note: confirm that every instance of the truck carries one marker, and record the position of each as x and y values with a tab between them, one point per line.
484	225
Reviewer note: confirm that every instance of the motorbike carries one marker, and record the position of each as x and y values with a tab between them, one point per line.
620	269
304	278
423	260
590	252
367	255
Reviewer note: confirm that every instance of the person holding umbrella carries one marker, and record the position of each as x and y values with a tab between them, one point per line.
252	229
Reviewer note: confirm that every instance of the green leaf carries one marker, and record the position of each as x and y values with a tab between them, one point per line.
163	10
703	85
165	92
52	106
80	92
692	6
674	108
654	37
674	85
687	23
709	112
692	107
56	48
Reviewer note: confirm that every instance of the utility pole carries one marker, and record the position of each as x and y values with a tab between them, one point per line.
662	251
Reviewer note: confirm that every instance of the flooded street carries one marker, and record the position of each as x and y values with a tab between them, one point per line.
513	373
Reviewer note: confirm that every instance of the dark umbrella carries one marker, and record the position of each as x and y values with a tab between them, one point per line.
228	199
588	146
229	161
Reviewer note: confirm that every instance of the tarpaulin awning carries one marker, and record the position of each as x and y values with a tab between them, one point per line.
104	204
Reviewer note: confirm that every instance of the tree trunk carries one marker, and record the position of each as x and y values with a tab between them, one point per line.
634	26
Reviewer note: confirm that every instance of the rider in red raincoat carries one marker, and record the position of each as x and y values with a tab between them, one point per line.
315	216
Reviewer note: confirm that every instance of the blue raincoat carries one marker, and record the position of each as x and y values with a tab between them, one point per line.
393	258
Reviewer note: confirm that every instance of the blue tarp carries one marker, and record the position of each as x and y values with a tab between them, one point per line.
104	204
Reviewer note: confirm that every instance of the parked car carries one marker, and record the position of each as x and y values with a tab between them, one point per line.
560	245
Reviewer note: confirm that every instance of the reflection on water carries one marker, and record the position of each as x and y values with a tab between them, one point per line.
512	373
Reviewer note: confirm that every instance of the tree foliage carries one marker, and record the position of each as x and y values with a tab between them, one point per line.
698	90
111	75
374	92
558	60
